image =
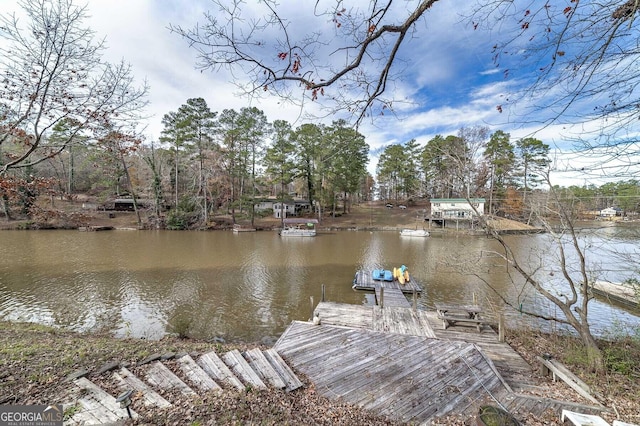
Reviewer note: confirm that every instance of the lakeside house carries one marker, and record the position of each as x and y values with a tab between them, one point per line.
456	208
283	209
445	211
610	212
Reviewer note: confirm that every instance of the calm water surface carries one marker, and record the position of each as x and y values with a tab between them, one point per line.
247	286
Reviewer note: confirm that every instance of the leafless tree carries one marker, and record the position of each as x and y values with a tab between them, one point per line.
569	268
582	59
51	70
583	56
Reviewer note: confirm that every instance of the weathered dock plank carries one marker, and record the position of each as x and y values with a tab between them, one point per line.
389	296
388	319
402	321
287	374
241	368
397	375
260	364
512	367
304	340
157	374
347	315
401	376
98	407
381	367
332	355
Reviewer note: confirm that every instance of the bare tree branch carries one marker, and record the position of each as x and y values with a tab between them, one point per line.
52	72
358	70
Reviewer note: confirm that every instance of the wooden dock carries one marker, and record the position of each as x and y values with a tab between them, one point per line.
391	319
406	378
616	293
397	361
363	280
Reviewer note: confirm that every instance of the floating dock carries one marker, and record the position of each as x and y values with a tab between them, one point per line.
363	280
622	294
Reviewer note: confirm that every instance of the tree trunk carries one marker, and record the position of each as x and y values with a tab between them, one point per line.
133	193
594	353
5	208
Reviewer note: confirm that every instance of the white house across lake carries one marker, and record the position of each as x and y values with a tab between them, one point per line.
456	210
283	209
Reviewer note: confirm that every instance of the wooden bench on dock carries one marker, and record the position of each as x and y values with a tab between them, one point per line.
452	314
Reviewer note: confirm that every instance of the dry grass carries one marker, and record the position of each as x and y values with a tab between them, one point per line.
35	360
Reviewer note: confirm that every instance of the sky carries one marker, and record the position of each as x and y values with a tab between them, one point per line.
447	76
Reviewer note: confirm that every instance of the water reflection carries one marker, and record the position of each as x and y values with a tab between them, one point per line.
251	286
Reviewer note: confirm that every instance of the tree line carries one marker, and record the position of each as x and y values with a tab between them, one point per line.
477	163
205	162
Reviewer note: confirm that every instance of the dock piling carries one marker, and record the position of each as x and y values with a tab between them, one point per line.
501	329
415	300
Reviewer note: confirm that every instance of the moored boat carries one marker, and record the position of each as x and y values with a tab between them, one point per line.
299	228
414	233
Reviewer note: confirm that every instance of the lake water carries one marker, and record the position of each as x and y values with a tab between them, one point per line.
250	286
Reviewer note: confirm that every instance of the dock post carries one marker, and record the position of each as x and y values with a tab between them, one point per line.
311	316
501	329
322	293
381	297
415	300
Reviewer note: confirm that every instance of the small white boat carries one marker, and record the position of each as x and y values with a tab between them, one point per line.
414	233
299	228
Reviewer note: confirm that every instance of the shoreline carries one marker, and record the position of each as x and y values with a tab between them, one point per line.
19	225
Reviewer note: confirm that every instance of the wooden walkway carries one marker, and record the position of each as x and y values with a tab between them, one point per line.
391	319
511	366
515	370
180	379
